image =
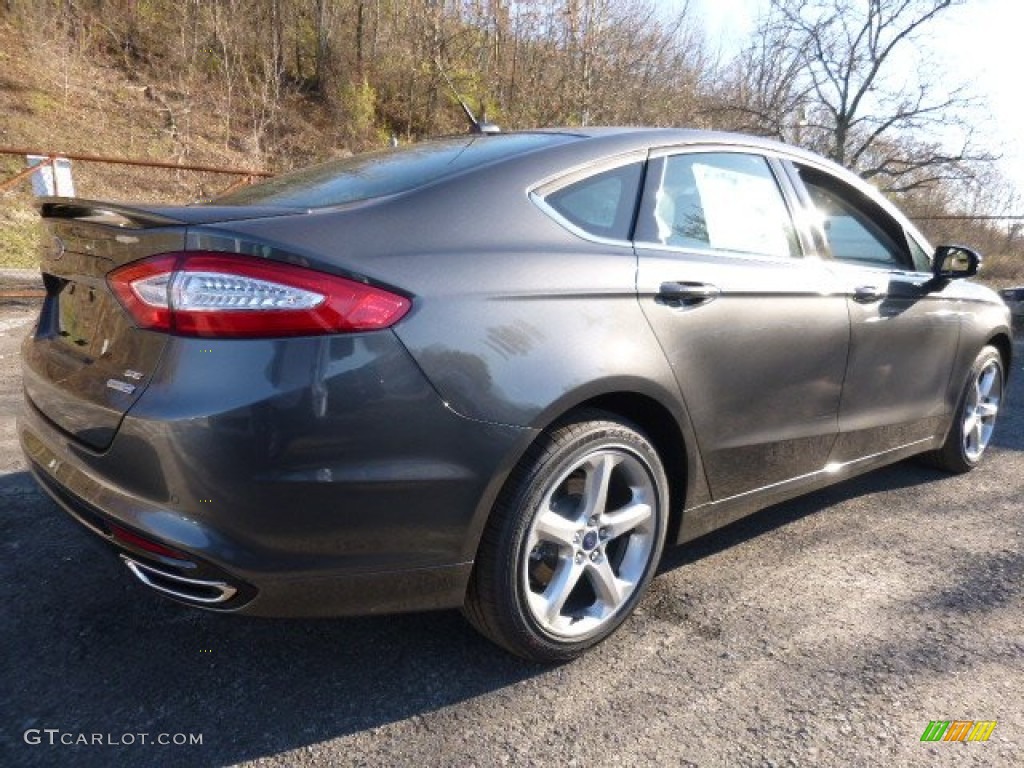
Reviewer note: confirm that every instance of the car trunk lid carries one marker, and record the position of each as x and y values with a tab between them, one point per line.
87	364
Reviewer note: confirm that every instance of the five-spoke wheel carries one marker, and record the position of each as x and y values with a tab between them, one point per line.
984	394
574	540
590	542
976	416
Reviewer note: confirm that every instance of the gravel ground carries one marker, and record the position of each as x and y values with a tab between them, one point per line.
825	631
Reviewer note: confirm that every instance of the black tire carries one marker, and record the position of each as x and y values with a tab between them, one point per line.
975	417
561	565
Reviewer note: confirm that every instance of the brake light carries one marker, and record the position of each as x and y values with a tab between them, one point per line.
198	293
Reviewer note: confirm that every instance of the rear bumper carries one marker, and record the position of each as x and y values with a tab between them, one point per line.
320	493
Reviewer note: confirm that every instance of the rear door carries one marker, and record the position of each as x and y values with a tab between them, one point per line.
757	333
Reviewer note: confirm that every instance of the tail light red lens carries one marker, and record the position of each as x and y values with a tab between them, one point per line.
124	536
220	295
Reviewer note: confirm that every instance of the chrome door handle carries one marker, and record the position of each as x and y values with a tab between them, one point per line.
866	294
683	294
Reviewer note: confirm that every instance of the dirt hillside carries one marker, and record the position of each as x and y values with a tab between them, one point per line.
54	98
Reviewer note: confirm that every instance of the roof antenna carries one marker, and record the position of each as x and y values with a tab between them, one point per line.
475	126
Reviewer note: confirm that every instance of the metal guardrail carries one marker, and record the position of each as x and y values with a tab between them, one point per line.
246	176
18	291
18	285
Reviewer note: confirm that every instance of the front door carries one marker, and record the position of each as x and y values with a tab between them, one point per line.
904	329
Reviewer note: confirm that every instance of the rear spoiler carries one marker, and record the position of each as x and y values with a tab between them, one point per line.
146	216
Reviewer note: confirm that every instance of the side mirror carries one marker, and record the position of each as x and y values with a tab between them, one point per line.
953	261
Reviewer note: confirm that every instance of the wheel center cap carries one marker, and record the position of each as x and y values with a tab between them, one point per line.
590	540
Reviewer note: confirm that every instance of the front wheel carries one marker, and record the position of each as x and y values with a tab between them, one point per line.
573	540
976	415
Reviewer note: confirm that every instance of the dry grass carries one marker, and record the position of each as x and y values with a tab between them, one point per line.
53	98
19	238
1003	270
57	97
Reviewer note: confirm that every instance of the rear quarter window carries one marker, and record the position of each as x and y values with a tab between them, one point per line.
602	205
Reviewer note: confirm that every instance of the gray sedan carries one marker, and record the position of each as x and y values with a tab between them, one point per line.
494	372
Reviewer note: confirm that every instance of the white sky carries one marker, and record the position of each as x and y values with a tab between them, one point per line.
979	43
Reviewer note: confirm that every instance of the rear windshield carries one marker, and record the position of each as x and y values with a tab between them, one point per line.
387	172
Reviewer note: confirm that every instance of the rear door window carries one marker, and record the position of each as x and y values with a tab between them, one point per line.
729	202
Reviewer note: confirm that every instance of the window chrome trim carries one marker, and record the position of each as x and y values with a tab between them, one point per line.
565	178
806	258
657	153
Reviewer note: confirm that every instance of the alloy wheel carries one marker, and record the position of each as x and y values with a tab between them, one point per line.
590	543
980	410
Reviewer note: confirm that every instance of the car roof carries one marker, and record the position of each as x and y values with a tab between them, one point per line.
643	137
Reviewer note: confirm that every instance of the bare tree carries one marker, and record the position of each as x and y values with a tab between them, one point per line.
830	75
765	90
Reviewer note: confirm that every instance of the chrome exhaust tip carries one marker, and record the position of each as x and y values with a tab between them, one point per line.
199	591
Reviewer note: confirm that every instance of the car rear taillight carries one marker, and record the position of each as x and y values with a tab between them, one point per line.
197	293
